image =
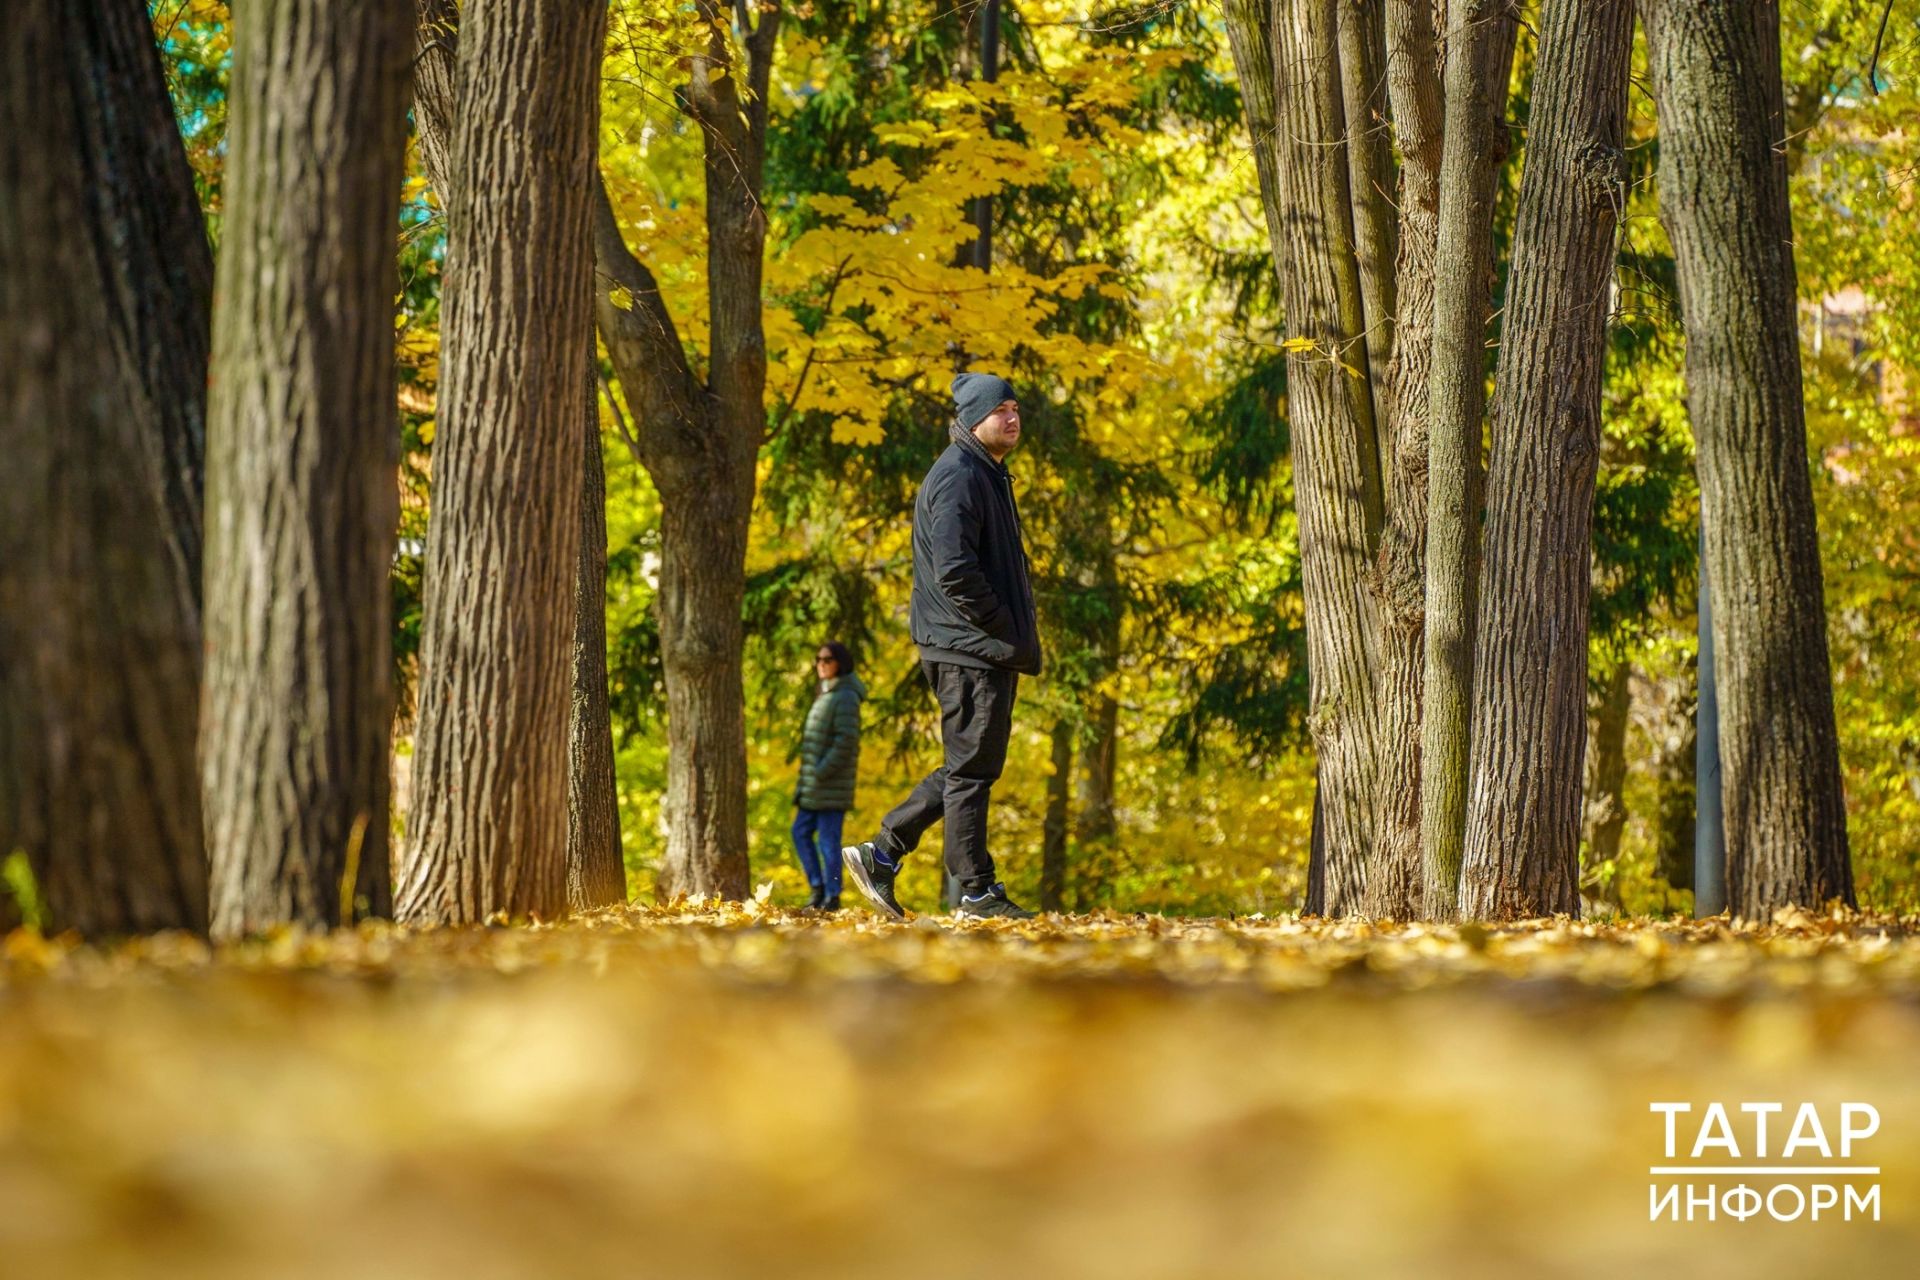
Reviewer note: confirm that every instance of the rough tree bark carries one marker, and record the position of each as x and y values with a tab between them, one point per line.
1336	462
105	281
1530	661
1395	872
1715	66
1479	61
595	873
302	446
503	540
1370	182
698	438
1053	843
1250	36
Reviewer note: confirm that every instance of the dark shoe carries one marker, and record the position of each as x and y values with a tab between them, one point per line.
819	896
831	905
992	905
873	878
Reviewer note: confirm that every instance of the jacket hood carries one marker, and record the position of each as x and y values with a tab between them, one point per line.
851	680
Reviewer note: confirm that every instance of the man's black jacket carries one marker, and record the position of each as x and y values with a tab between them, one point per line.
972	602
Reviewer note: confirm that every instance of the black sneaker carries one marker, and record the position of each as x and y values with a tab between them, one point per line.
818	899
872	877
992	905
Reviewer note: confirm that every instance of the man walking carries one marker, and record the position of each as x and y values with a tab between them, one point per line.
972	616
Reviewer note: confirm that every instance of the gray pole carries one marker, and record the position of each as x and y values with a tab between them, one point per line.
1709	827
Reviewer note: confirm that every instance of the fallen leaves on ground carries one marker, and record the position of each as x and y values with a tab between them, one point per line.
746	1091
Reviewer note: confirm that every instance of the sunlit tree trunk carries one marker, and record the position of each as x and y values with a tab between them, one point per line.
698	437
1336	462
1479	61
105	281
1394	874
595	874
503	540
1715	66
1530	663
1370	185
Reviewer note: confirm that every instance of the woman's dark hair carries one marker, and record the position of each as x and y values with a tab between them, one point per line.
842	656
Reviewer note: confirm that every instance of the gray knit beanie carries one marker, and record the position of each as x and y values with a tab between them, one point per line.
975	395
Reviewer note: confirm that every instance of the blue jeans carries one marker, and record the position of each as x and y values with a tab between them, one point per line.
816	838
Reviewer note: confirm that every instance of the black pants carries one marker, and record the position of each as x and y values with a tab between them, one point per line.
976	718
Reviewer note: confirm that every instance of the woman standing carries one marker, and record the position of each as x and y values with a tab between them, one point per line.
829	764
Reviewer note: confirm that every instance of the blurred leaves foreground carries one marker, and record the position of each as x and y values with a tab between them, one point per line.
752	1092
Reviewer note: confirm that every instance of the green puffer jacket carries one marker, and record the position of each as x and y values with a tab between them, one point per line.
830	747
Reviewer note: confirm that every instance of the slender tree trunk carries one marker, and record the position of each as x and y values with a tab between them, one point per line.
698	439
1395	874
1606	805
302	448
105	280
1053	845
1250	36
1336	462
1098	767
503	541
1715	68
1530	660
1370	182
1479	61
596	874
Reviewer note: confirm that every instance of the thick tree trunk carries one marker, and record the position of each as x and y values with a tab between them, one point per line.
1053	842
1336	462
1395	874
1715	68
105	281
698	439
1605	806
503	541
1479	61
1530	659
302	447
596	875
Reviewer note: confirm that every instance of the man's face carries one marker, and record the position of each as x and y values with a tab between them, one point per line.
999	431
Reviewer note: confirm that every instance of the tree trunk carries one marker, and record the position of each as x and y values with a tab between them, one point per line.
1053	846
1098	767
1336	462
1363	87
1606	806
1479	61
302	447
105	280
1394	874
1530	659
596	874
698	439
1715	68
1250	36
503	540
